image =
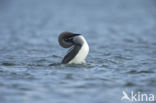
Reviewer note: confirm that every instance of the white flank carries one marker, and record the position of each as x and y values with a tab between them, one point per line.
82	54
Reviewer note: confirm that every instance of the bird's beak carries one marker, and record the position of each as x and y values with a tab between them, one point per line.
71	39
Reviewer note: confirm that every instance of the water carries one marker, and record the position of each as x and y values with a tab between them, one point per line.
122	57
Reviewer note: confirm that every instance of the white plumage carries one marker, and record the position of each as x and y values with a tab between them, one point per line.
83	52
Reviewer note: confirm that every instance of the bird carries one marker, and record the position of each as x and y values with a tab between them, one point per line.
78	45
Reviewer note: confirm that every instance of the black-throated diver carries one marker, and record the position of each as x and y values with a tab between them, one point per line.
79	47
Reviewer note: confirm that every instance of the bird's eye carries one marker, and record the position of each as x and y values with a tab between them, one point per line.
68	39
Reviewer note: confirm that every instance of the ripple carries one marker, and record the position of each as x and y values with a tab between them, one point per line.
41	60
55	56
54	64
84	65
130	84
128	40
121	57
152	82
69	77
8	64
139	72
37	64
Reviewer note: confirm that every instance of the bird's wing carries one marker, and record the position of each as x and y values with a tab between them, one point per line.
71	54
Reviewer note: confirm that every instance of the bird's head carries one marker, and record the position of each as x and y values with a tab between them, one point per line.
67	39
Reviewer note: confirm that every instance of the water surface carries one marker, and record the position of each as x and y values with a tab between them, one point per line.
122	57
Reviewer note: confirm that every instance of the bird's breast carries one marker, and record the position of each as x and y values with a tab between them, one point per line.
81	55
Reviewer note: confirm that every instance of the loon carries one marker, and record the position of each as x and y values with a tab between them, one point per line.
78	47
